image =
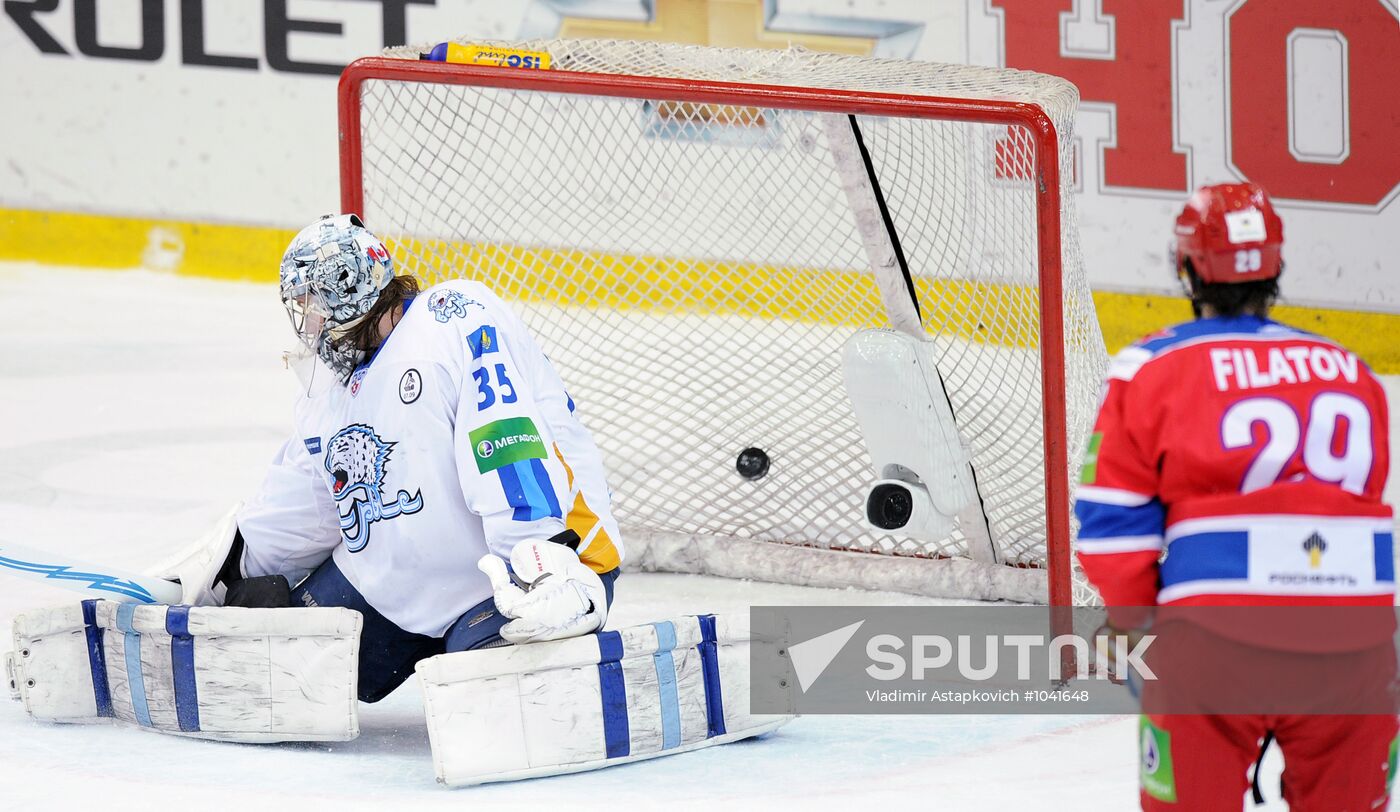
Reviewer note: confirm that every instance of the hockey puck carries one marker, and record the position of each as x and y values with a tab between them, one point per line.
752	463
889	507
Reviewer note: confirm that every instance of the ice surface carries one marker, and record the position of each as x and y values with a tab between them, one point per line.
139	406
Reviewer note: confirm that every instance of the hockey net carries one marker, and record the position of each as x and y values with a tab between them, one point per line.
670	223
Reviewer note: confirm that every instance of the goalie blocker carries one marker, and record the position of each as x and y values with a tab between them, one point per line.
268	675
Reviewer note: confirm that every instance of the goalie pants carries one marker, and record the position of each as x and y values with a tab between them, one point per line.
1201	761
387	652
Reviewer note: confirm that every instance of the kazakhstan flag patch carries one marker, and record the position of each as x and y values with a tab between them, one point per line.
482	340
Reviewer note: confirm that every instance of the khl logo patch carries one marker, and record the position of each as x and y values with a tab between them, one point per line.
410	386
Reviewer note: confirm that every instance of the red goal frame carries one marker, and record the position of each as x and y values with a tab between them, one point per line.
1040	132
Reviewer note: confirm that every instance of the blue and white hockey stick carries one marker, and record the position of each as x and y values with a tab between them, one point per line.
90	579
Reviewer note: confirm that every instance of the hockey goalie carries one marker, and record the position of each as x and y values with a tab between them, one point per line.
440	507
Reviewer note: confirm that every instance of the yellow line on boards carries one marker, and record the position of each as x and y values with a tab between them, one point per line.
97	241
1124	317
821	295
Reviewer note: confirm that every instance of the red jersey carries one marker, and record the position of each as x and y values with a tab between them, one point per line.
1254	455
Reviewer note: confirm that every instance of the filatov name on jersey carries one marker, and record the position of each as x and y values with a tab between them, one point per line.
1256	368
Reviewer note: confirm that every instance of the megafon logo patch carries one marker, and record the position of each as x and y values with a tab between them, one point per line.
811	657
504	442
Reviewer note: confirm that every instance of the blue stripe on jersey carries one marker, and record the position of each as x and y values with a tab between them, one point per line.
665	665
1203	328
1100	521
530	487
97	659
177	624
1385	557
135	679
551	499
529	490
616	732
516	494
1207	556
709	664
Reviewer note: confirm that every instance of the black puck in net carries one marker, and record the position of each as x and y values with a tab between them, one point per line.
752	463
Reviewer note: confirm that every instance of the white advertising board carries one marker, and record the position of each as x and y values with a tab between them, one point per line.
224	111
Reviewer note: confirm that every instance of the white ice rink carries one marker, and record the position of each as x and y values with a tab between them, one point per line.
137	407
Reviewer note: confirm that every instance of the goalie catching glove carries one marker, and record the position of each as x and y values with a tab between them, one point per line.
548	593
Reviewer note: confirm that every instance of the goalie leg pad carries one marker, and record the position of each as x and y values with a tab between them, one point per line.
232	674
589	702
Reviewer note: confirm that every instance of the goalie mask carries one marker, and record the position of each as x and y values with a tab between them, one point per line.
332	274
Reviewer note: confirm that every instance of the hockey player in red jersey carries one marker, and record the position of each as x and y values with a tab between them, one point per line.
1256	454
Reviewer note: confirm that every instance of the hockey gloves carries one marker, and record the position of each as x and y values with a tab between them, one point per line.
547	592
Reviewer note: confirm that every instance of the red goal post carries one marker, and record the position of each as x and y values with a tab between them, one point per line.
1027	123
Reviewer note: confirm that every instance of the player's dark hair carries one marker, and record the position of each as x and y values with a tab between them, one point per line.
1231	300
365	335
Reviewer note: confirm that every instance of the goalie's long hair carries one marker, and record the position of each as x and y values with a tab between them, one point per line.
365	335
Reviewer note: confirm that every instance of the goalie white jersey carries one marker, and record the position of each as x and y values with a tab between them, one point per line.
456	438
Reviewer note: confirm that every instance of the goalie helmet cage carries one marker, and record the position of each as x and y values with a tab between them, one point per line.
672	224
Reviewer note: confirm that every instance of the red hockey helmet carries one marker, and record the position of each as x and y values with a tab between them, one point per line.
1230	233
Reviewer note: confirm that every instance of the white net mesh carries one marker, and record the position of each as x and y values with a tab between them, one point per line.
693	270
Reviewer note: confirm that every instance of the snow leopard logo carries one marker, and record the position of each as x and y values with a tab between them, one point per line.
449	304
356	458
